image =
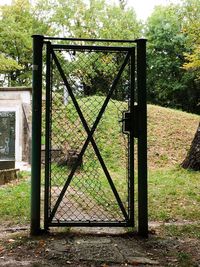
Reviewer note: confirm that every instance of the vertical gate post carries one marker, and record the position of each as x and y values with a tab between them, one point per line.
142	139
36	133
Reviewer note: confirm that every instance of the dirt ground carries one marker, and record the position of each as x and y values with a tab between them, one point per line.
94	247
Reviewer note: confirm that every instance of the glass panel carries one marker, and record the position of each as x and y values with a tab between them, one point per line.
7	135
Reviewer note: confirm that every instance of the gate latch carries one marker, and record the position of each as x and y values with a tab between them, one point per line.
126	122
129	124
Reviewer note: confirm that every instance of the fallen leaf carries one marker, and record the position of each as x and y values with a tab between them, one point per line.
11	240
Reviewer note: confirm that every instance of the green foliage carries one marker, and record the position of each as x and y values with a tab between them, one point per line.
168	83
191	10
93	19
8	64
92	73
17	24
90	19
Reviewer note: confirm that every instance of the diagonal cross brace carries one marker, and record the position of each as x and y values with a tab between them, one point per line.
90	135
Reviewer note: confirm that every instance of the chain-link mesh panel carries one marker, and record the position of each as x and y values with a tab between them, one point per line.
90	195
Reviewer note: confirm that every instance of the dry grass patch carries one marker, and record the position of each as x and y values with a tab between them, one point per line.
170	133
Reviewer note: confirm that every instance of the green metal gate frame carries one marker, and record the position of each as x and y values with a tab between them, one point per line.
140	120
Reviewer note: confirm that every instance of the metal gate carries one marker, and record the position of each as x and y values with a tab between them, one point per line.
90	114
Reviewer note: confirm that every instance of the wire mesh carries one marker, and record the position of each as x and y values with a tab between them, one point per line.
89	197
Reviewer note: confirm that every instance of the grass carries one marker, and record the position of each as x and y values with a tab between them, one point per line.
15	202
69	133
170	133
185	260
174	195
187	230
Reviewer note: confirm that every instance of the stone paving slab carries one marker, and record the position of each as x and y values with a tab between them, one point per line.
87	248
108	249
111	250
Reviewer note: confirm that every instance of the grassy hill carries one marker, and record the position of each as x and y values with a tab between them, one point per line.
170	133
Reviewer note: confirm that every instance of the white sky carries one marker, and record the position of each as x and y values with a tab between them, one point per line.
143	8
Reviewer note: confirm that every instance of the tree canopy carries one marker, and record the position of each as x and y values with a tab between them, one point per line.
191	10
169	83
90	19
17	24
79	18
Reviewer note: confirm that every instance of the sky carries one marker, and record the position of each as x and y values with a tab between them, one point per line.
143	8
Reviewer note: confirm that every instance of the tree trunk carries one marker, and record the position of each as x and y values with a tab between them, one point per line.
192	160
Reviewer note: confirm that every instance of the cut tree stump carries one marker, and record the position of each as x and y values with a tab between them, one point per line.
192	160
8	175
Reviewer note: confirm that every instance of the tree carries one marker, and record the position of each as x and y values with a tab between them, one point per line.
168	83
192	160
90	19
17	23
95	19
191	10
7	65
78	18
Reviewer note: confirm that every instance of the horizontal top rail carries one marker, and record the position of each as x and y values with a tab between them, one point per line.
91	48
90	40
87	39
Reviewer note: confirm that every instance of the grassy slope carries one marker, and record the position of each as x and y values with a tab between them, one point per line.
170	133
173	192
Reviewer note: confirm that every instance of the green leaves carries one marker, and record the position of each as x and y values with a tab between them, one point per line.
191	10
90	19
17	24
168	83
8	64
